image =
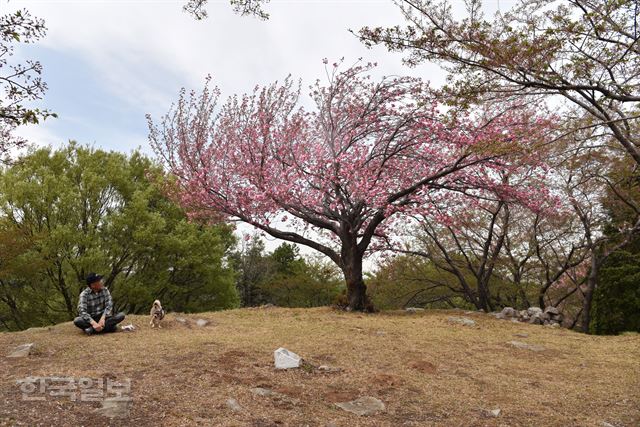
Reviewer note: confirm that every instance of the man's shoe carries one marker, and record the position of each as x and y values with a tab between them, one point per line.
89	331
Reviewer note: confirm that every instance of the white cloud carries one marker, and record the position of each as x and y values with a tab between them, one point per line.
40	135
143	51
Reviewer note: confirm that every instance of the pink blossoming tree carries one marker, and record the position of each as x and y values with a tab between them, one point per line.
335	178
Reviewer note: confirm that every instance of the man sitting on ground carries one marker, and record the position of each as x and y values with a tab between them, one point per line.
95	308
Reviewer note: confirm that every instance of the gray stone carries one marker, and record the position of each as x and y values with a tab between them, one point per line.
114	408
515	320
265	392
330	369
202	322
22	350
462	320
285	359
500	316
40	329
535	320
551	310
366	405
414	309
532	311
525	346
493	413
509	312
261	391
234	405
523	314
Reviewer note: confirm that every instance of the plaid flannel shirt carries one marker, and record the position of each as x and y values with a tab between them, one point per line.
94	304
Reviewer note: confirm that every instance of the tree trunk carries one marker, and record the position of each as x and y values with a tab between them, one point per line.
13	307
588	295
541	295
483	297
356	293
356	289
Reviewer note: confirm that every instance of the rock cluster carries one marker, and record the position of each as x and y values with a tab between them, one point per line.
551	316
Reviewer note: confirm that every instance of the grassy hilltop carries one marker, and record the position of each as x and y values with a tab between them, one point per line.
426	369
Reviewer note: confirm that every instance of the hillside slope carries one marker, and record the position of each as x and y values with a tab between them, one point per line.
426	369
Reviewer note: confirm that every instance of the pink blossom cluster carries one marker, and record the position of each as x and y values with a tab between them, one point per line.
367	153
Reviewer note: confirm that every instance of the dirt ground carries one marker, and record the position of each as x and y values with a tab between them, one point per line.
427	370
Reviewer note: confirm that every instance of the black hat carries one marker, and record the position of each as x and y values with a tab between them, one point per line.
93	277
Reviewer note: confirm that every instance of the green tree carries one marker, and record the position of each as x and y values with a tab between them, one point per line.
80	210
616	299
616	293
253	270
300	282
17	266
414	281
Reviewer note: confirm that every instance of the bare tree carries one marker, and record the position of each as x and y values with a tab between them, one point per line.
197	8
584	51
19	83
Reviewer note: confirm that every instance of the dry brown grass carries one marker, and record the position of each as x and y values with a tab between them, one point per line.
426	370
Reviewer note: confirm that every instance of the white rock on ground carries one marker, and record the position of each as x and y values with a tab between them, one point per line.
265	392
234	405
509	312
22	350
414	309
494	413
536	319
202	322
261	391
114	408
534	310
285	359
461	320
552	310
525	346
182	320
366	405
326	368
39	329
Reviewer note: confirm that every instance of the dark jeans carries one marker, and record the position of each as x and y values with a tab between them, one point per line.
110	322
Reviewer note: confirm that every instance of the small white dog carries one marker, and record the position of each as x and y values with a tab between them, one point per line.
157	314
